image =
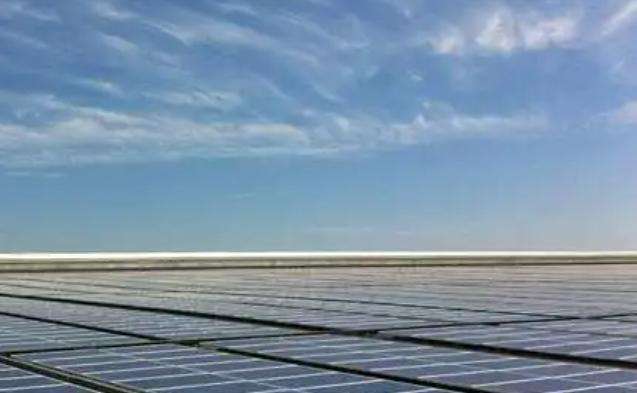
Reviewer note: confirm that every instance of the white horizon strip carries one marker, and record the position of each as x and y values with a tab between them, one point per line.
184	256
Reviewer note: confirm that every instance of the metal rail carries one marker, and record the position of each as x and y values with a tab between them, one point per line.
79	262
69	377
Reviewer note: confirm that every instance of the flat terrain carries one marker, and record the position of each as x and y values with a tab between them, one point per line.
559	328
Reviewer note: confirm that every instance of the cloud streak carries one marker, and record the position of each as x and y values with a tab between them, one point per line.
623	17
82	135
504	31
112	81
625	115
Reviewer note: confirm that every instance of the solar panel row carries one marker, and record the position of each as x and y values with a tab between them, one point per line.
540	340
170	368
21	334
488	329
566	290
157	325
485	370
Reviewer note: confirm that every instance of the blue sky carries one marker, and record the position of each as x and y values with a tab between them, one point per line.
328	125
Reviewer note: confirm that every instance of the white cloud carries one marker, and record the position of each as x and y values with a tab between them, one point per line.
441	121
505	30
623	17
624	115
107	10
449	41
23	39
235	7
77	135
220	100
211	30
120	44
128	49
67	134
435	121
499	33
13	8
101	85
191	29
538	33
36	174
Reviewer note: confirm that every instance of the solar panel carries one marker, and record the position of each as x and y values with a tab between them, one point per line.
420	329
140	322
172	368
599	326
540	340
21	334
458	367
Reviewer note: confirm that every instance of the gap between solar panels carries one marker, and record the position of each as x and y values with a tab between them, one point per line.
618	315
147	339
69	377
351	370
342	332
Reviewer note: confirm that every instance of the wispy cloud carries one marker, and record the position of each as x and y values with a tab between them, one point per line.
101	85
13	8
126	81
122	45
220	100
80	134
108	10
438	120
23	39
621	18
34	174
624	115
505	30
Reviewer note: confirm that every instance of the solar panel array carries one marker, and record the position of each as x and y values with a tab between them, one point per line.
506	329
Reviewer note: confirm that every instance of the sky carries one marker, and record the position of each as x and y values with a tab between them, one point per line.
318	125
